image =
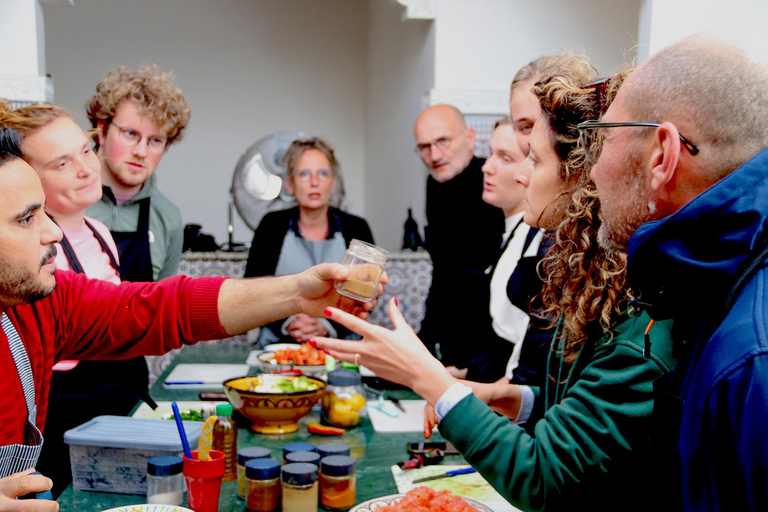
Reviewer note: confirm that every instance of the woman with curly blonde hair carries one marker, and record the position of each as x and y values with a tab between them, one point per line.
586	435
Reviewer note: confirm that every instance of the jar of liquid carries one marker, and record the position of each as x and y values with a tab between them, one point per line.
225	439
338	482
343	402
308	457
297	447
300	488
165	482
243	456
328	449
366	263
262	485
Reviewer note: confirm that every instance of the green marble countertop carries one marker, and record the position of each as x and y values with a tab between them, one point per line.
376	452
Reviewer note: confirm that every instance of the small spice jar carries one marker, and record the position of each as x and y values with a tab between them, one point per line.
366	263
297	447
262	485
243	456
328	449
338	482
300	488
308	457
165	482
343	402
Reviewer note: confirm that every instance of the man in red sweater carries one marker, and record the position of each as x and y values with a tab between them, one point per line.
49	316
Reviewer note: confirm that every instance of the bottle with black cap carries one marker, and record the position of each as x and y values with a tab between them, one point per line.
300	489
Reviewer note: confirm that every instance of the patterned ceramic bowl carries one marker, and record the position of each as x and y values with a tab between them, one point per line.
271	412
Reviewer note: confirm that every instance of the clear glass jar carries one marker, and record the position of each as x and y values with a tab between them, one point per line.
366	263
343	402
165	482
243	456
300	487
262	485
337	482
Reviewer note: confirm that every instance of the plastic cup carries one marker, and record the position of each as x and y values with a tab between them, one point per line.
204	481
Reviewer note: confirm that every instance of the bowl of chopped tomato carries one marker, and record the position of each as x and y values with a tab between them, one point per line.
290	358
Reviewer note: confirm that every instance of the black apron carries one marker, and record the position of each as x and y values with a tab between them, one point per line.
90	389
133	248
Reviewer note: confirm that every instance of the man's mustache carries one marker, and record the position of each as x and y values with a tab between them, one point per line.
50	255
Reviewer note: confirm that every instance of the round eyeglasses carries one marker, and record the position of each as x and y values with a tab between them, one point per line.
442	144
306	175
131	137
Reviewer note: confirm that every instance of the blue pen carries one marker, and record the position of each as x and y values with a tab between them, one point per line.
455	472
187	383
182	433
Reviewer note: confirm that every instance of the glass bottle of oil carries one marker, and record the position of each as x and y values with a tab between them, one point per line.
225	439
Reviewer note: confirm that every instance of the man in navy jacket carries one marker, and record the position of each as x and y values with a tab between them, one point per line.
687	193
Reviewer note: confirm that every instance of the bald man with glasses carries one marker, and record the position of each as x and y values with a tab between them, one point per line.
463	235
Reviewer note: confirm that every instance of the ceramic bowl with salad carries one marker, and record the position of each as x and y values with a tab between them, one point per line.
288	357
272	402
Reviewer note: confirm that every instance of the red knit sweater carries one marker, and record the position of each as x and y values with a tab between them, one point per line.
90	319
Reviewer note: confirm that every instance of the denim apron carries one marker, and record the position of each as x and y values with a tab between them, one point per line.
298	254
18	457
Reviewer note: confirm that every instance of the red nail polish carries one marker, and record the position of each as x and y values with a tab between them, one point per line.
326	351
313	343
327	312
396	304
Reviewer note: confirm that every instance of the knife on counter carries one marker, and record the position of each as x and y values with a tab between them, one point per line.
391	398
455	472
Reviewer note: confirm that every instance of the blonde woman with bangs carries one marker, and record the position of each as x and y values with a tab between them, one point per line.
584	439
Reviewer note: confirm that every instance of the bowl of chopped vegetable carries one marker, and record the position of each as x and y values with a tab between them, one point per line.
274	403
290	357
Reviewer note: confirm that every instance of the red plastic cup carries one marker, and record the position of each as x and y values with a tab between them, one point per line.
204	481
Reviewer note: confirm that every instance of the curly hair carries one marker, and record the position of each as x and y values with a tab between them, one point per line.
29	118
297	148
156	96
584	284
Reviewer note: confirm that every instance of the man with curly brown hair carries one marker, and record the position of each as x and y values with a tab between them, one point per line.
137	116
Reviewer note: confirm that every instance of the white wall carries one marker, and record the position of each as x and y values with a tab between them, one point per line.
22	37
247	67
481	44
665	21
400	72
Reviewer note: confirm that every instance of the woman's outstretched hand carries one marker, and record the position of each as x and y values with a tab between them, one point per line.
397	355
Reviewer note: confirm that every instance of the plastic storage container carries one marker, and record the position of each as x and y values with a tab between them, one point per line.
366	263
110	453
344	400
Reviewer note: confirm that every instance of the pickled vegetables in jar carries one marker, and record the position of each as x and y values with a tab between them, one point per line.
343	403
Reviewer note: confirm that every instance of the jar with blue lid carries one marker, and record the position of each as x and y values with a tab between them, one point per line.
300	488
165	482
262	485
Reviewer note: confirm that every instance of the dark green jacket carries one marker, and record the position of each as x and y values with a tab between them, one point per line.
589	450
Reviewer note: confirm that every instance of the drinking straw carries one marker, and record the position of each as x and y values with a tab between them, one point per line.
182	433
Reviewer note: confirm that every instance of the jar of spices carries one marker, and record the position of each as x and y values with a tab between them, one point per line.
308	457
165	482
262	485
243	456
343	402
337	482
297	447
328	449
300	488
366	264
